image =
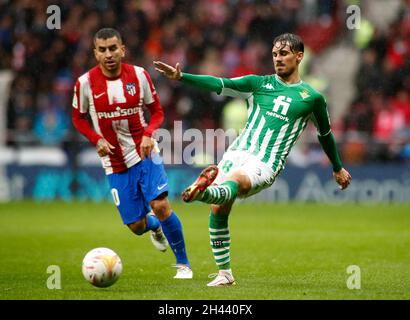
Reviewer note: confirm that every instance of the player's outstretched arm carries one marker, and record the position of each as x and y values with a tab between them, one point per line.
236	87
342	178
173	73
204	82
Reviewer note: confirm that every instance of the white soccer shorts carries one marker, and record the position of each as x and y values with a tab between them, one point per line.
260	174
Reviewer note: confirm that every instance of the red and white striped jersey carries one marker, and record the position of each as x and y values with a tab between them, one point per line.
115	106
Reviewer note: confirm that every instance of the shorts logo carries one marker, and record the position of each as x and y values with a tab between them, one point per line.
130	87
227	165
115	196
258	171
271	180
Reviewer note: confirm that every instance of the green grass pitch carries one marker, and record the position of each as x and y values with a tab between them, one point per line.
279	251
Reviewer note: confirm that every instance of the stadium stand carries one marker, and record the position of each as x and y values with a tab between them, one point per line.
213	37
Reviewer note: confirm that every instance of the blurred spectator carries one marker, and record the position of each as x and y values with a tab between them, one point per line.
21	110
387	120
368	76
363	35
360	120
50	126
52	120
234	115
401	104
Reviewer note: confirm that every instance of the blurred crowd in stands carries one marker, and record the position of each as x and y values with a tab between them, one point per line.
223	38
377	124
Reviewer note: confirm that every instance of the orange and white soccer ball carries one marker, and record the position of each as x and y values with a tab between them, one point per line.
102	267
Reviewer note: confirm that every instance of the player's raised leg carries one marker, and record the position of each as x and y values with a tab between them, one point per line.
201	189
236	184
196	190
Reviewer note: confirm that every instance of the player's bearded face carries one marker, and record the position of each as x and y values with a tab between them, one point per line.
109	53
285	61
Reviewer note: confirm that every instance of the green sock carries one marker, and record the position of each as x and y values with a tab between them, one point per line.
220	240
224	193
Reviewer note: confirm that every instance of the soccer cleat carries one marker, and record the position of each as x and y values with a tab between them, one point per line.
205	179
223	278
183	272
159	240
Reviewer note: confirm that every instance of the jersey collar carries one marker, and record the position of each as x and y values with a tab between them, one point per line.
288	85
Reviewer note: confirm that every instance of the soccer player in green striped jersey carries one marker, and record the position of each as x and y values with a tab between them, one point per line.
279	107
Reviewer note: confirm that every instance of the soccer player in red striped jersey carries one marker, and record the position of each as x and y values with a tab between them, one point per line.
112	95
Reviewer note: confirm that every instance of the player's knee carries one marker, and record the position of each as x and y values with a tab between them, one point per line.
161	208
243	182
137	227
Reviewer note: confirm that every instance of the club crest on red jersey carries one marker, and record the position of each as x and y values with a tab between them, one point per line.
130	87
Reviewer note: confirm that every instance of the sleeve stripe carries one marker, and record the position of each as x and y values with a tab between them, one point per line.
323	135
151	85
146	85
82	89
76	95
235	93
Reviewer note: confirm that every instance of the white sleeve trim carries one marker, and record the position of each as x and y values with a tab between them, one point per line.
323	135
223	86
84	93
146	93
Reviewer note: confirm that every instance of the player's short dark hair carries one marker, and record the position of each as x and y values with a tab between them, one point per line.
295	42
106	33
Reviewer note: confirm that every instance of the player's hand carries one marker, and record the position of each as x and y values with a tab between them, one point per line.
146	146
103	147
342	178
168	71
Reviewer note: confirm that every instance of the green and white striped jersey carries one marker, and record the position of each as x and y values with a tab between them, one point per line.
277	113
